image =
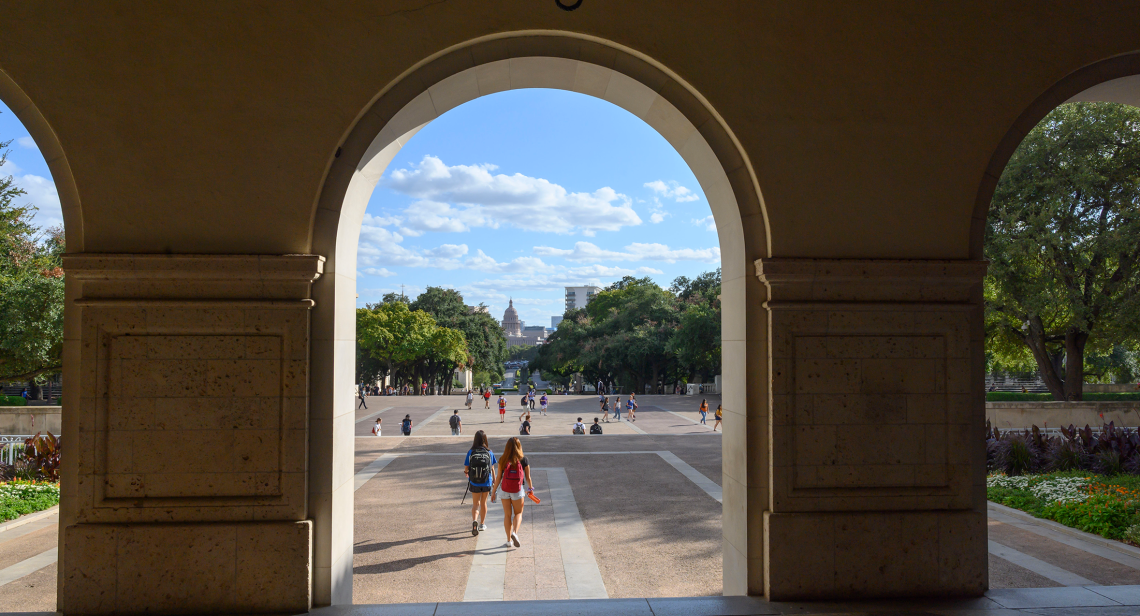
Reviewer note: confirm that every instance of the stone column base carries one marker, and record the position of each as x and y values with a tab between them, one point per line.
875	554
251	567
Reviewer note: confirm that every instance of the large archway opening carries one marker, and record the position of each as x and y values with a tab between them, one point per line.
1055	218
436	86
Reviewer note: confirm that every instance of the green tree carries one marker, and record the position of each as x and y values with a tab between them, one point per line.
31	289
1063	240
486	342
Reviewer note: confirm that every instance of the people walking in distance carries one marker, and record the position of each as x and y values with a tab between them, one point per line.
376	428
406	425
456	423
579	427
596	428
617	411
359	393
530	398
631	409
479	467
605	412
719	416
513	470
502	409
617	402
542	402
704	410
423	388
470	398
525	427
487	399
633	400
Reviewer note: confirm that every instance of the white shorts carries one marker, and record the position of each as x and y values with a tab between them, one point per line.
511	495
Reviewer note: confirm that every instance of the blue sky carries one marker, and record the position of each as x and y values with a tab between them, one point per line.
521	193
516	194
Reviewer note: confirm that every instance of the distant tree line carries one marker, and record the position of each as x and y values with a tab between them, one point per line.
426	340
635	333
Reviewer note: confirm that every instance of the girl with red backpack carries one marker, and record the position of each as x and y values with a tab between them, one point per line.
514	469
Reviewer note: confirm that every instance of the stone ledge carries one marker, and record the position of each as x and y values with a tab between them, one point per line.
871	279
194	267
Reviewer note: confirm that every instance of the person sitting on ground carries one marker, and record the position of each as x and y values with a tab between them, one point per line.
525	427
456	423
596	428
579	427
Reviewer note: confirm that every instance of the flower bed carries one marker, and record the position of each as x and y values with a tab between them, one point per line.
21	497
1108	506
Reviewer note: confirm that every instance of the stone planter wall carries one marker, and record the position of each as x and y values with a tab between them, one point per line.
1018	415
30	419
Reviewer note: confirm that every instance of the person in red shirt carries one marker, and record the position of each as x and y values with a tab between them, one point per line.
502	409
487	399
513	471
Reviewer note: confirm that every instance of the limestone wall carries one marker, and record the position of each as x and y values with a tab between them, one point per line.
1017	415
30	419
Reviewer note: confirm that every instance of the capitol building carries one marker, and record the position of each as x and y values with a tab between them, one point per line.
517	332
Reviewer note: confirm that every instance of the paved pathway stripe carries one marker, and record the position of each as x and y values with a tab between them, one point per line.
689	419
1122	553
708	485
488	575
29	566
583	578
425	422
368	472
634	427
1038	566
374	415
29	523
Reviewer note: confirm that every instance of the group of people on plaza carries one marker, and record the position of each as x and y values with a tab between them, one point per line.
630	407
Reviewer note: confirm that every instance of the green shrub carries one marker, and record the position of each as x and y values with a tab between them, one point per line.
13	401
22	497
1132	534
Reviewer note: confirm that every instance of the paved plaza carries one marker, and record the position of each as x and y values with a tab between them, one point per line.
632	514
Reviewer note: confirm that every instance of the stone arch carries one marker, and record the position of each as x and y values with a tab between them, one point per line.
533	60
1115	80
41	132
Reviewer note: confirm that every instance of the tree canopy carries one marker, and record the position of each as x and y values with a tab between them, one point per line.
1063	240
31	289
636	333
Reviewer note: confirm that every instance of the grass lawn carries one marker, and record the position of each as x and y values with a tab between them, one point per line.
1108	506
21	497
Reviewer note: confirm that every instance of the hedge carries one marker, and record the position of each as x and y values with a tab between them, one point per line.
13	401
1010	396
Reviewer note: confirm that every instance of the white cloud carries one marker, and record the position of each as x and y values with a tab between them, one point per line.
672	190
460	197
708	222
27	142
41	192
378	271
656	217
587	252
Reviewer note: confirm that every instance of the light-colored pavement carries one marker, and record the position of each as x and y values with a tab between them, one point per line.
646	500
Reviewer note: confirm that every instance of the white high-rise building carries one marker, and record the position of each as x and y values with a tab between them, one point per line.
578	297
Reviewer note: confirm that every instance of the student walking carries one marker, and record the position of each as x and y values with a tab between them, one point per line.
530	398
542	402
502	409
704	411
605	412
479	467
719	416
524	429
470	398
360	395
513	470
376	428
456	423
631	409
617	411
487	399
406	425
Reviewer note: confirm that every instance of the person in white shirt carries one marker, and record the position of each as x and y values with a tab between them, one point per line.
579	427
376	428
470	398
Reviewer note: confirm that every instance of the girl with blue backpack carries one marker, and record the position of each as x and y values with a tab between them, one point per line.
479	467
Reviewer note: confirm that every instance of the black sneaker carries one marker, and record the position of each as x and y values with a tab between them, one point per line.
474	527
